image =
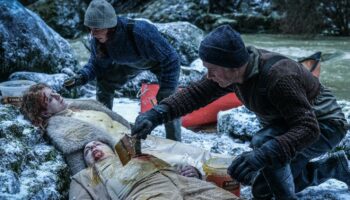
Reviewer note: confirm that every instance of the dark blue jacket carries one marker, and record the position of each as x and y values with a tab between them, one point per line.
153	53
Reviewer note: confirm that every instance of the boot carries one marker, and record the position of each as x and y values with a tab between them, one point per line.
274	182
260	188
335	166
105	99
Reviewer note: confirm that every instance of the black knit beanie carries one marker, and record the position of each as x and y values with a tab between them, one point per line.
224	47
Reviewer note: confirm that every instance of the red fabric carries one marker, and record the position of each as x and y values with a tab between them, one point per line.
203	116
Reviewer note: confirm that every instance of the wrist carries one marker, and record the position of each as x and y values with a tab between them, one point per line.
162	113
268	154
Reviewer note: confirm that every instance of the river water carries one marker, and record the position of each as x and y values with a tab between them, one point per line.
335	63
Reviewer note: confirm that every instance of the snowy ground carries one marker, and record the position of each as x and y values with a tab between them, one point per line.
330	190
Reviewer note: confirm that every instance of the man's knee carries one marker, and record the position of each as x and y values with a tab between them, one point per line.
266	134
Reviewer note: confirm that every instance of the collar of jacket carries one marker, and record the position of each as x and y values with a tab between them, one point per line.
253	65
119	33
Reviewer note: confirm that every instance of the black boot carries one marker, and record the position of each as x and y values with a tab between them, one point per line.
335	166
278	183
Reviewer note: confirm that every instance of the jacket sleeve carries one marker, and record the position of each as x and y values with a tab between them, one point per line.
89	70
77	192
152	46
289	97
195	96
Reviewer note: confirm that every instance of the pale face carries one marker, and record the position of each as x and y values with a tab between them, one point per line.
54	102
225	76
96	151
99	34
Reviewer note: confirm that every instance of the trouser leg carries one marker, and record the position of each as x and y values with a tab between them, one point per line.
105	93
112	79
307	173
172	128
335	166
272	181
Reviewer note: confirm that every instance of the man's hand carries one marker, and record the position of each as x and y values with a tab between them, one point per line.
189	171
74	81
147	121
245	165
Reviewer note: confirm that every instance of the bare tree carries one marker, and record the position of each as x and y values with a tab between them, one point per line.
337	13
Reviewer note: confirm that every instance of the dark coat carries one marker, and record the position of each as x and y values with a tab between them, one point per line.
293	97
145	50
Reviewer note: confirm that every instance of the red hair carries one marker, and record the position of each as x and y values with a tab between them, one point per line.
33	104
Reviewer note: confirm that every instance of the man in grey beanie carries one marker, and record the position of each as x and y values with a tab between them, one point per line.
301	119
121	49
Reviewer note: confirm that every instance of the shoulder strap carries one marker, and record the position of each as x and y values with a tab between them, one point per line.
130	29
264	72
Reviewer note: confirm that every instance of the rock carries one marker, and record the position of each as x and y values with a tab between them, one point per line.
187	75
28	44
251	15
65	17
10	183
238	123
242	124
184	37
55	81
171	11
345	143
29	167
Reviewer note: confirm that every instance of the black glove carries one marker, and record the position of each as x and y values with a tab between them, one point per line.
74	81
248	163
147	121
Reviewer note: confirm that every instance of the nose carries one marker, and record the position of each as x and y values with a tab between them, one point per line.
56	95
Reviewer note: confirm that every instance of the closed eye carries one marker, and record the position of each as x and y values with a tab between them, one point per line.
86	150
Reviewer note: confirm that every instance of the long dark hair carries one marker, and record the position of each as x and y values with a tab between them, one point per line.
101	48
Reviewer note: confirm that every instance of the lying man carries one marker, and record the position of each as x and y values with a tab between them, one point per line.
144	177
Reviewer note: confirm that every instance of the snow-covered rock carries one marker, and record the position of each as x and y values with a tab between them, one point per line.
184	37
55	81
29	167
242	124
187	75
65	17
238	123
28	44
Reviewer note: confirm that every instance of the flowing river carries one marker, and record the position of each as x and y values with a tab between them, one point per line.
335	63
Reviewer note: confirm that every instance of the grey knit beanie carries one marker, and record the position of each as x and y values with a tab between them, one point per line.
100	14
224	47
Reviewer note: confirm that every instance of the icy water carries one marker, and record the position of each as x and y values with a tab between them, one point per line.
335	65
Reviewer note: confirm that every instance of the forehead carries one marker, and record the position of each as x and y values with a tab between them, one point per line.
92	143
47	91
213	67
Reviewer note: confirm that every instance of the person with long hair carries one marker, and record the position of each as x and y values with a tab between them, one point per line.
122	48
